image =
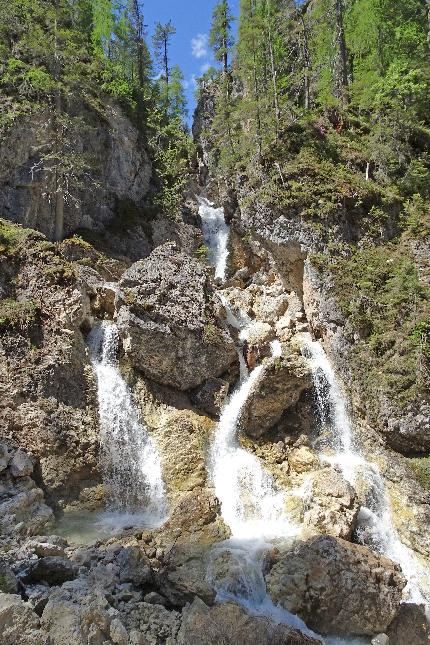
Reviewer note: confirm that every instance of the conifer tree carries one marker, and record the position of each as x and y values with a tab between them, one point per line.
161	41
220	37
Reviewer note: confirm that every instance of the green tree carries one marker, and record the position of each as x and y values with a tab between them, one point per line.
221	37
161	41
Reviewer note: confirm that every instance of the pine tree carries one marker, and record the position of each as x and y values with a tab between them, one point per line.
220	37
161	41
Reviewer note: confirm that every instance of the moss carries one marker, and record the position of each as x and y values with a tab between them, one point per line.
421	468
17	315
12	235
202	252
211	334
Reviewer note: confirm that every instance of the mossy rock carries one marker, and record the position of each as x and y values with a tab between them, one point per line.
17	315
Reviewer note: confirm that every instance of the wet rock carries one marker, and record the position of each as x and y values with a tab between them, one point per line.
332	505
337	587
169	322
229	624
51	570
303	459
184	576
380	639
211	396
410	626
19	625
279	388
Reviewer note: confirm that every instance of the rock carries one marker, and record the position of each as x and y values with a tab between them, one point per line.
133	566
19	625
211	396
51	570
332	505
53	545
8	580
154	598
118	632
5	457
380	639
409	627
229	624
337	587
22	507
184	576
21	464
169	323
303	459
280	387
154	624
77	615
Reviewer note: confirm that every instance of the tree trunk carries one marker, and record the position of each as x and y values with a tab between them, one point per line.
273	72
166	67
58	178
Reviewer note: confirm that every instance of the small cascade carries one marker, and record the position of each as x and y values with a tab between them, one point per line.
131	464
375	523
216	235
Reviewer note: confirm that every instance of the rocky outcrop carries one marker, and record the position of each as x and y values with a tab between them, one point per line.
409	626
332	505
230	624
337	587
22	504
121	171
169	321
280	387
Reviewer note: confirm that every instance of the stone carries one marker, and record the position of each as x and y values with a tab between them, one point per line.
337	587
133	566
154	598
303	459
19	625
22	509
211	396
183	576
118	632
53	545
169	322
332	505
410	626
52	570
8	580
21	464
279	388
229	624
380	639
5	457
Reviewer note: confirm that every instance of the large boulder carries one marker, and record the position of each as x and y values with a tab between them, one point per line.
19	625
337	587
332	504
169	320
229	624
281	385
51	570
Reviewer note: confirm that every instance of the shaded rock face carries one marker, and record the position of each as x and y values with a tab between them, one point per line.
282	383
229	624
337	587
122	171
169	323
410	626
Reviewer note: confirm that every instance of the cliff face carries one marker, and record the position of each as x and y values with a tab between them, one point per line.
118	169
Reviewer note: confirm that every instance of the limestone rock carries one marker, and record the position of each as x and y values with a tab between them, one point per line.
229	624
337	587
280	387
184	576
169	323
410	626
19	625
52	570
21	465
303	459
8	580
210	397
332	505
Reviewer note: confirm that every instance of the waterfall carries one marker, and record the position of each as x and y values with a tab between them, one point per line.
130	461
375	522
216	235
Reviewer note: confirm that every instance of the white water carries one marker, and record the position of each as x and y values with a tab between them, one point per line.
131	464
375	522
216	235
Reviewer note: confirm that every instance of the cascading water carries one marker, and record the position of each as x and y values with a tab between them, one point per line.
216	235
375	523
130	461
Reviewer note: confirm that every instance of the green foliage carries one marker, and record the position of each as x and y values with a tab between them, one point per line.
202	252
421	468
16	315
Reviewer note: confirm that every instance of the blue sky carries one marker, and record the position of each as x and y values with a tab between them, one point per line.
189	48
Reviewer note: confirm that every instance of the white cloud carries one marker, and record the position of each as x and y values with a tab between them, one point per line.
204	68
199	46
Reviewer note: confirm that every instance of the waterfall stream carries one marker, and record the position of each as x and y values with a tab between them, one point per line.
375	522
131	464
216	235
